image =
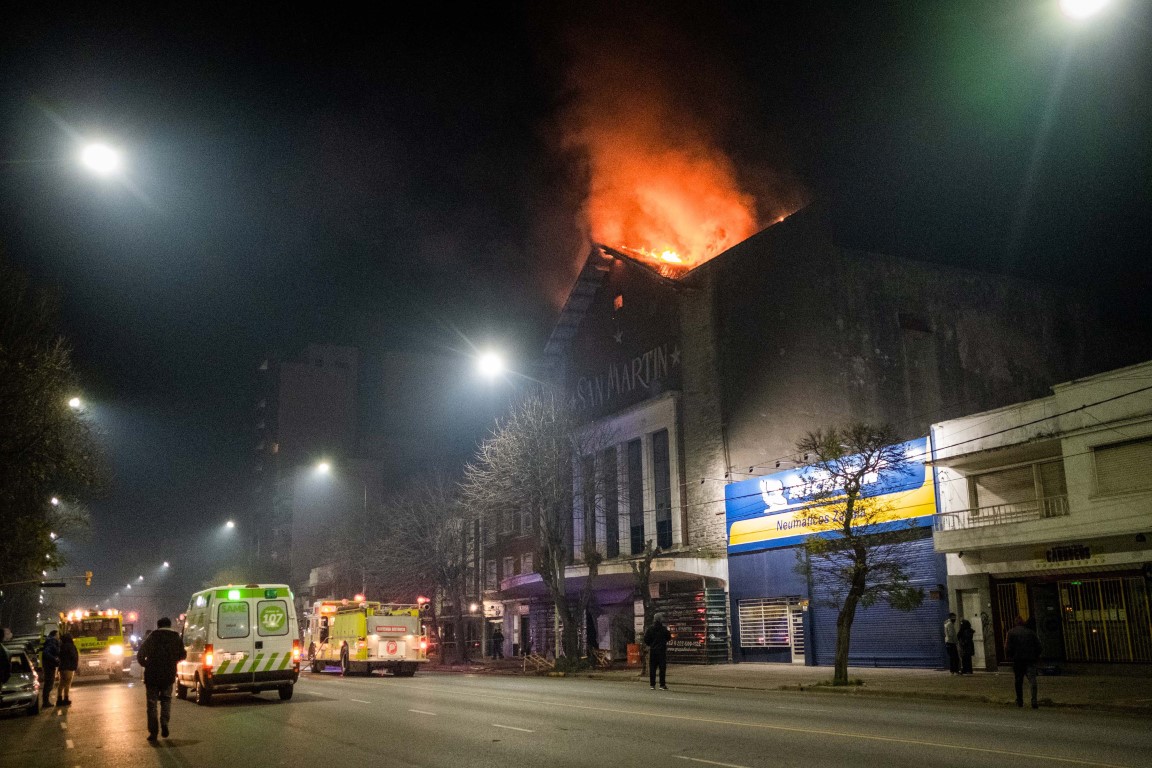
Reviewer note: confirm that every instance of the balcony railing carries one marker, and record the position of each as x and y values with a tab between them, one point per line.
1000	514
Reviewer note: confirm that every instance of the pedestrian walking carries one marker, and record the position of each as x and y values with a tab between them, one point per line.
49	662
69	663
497	643
159	654
5	659
1023	649
950	639
966	646
656	638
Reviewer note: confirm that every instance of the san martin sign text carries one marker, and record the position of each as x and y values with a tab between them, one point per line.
644	372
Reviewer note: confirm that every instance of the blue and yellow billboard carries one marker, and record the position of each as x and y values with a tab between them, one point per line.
776	510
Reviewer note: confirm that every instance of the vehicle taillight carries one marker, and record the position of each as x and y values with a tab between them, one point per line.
296	651
423	645
209	657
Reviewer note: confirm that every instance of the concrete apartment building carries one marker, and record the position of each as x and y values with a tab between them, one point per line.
1045	510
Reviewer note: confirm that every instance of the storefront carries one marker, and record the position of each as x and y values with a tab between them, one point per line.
777	616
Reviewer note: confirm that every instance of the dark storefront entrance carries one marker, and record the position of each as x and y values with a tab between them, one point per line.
1090	618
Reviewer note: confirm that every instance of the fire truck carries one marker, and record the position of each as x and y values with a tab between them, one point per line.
99	637
364	636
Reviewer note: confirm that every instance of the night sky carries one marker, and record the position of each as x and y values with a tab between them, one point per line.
409	180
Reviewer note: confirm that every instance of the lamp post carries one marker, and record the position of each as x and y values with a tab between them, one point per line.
325	468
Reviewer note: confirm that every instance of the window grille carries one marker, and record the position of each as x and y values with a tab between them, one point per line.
765	623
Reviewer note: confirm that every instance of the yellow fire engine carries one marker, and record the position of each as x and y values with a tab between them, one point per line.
365	636
99	637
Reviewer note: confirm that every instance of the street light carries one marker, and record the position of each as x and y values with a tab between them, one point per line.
75	403
230	524
1082	9
100	158
490	364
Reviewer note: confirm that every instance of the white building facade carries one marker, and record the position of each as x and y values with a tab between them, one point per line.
1044	513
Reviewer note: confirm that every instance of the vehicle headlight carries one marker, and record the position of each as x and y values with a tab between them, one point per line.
116	650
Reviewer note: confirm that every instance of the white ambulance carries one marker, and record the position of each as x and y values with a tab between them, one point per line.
240	639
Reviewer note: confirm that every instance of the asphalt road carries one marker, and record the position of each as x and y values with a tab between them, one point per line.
454	720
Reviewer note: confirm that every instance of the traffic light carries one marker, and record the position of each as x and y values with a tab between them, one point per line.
87	578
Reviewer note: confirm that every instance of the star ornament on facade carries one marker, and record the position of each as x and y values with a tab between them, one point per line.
675	355
619	336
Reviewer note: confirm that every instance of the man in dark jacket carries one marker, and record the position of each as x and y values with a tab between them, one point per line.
5	659
159	654
50	661
1023	649
656	638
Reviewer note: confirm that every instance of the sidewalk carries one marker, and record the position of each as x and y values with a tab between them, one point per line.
1122	690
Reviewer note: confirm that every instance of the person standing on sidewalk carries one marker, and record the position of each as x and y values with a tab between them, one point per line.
159	654
950	638
966	645
50	662
656	638
5	659
69	663
1023	648
497	643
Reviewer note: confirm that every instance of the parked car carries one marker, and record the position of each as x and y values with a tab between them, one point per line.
22	690
31	644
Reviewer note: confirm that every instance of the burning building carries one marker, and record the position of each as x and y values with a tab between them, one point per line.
707	373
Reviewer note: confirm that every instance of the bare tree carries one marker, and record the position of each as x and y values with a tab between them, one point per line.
855	557
642	583
529	464
426	550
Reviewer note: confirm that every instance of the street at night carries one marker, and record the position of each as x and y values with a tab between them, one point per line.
485	357
487	721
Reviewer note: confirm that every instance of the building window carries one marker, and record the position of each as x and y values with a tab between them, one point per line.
526	522
765	621
1123	467
662	475
526	563
490	581
636	496
618	302
1035	489
588	503
611	494
509	566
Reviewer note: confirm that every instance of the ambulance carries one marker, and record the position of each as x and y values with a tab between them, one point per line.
362	636
240	639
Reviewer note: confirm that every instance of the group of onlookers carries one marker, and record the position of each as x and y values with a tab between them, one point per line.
58	656
1022	647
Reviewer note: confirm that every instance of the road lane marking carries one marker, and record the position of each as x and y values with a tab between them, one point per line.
994	725
809	731
422	712
360	701
512	728
69	743
710	762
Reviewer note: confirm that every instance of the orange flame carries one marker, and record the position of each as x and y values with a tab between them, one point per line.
659	187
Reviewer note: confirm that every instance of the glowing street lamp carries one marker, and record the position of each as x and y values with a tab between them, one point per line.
490	364
100	158
230	524
75	403
323	468
1082	9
